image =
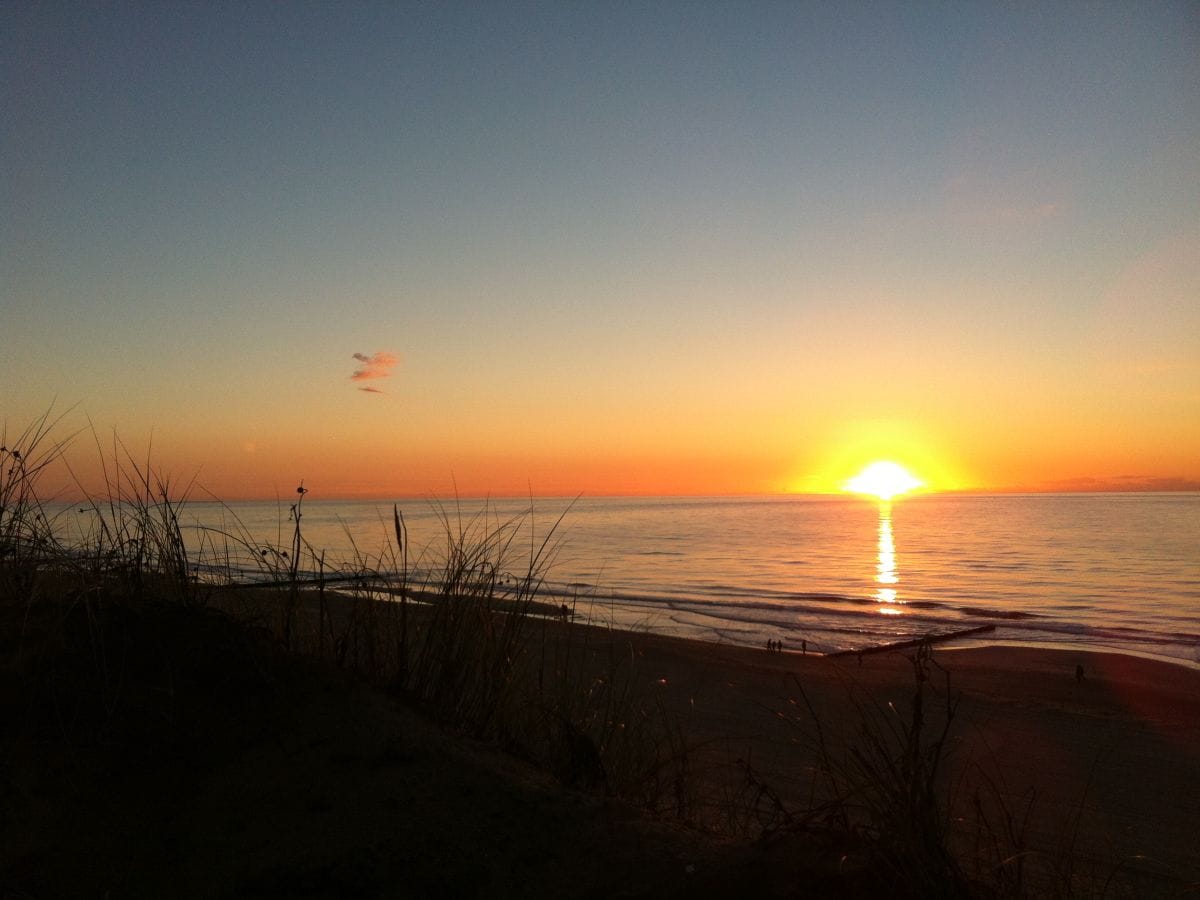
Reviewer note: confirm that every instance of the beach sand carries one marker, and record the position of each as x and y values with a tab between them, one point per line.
1107	765
228	768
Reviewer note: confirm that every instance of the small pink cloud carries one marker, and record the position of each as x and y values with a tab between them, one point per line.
377	365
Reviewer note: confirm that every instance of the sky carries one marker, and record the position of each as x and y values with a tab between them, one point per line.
605	248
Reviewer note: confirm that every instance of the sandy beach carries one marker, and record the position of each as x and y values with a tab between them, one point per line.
1108	763
230	768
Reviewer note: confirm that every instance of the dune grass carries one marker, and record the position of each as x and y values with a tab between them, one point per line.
467	643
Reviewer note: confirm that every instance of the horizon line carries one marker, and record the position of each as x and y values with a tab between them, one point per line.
312	495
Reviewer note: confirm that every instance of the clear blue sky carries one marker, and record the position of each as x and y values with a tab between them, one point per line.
608	242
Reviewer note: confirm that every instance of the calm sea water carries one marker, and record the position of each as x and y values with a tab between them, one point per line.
1108	571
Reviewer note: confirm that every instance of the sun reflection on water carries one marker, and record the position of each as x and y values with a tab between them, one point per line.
885	570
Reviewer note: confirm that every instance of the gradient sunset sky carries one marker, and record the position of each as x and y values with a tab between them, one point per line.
395	249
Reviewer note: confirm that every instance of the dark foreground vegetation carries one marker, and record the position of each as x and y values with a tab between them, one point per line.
344	731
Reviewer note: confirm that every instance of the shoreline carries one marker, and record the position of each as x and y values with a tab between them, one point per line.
793	633
948	643
956	639
968	647
1068	647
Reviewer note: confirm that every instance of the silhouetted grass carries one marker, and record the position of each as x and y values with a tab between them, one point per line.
881	788
28	541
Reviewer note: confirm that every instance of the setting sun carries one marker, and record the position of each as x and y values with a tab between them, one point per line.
884	480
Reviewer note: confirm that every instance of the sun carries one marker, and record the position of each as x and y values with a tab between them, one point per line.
884	480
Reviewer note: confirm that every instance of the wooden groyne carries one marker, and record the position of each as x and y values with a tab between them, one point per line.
916	642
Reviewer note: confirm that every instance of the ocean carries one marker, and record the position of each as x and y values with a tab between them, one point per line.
1095	571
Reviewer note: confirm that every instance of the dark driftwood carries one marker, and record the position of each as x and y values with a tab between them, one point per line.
916	642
